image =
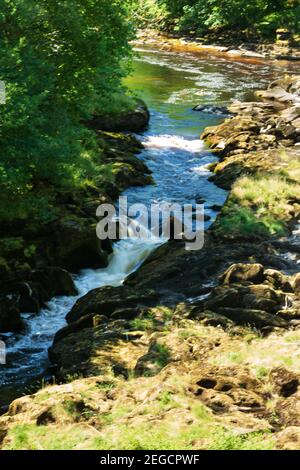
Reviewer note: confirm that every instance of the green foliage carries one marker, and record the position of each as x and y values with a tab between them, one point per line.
60	60
151	436
200	16
162	354
259	206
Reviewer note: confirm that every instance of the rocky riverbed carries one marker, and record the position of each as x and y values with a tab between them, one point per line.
208	340
230	46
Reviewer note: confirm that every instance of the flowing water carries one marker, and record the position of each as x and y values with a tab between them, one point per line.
172	85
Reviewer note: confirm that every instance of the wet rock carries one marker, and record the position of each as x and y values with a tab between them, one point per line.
239	273
212	109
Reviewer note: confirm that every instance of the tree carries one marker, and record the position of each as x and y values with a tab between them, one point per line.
60	60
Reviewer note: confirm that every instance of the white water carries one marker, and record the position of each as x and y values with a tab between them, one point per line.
29	351
174	142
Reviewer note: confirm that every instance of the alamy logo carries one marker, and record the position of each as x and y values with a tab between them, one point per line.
2	353
162	221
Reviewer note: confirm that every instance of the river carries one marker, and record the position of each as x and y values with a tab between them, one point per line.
171	84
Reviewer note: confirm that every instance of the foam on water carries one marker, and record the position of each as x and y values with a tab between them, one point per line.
29	351
165	142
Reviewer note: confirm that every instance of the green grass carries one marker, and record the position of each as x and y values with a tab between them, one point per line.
204	433
163	355
144	324
32	437
259	205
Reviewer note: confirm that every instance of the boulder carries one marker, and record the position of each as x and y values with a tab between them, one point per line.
277	280
260	297
72	244
88	321
238	273
256	318
134	120
55	281
107	300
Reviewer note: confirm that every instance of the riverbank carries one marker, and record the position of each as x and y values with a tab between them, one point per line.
36	256
205	339
225	46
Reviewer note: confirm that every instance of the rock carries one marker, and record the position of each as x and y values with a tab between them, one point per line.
38	287
277	280
257	318
135	120
27	293
73	244
246	400
226	388
106	300
215	207
277	93
290	314
217	401
296	284
243	273
87	321
55	281
10	318
288	411
208	318
288	439
290	114
286	382
259	296
212	109
96	351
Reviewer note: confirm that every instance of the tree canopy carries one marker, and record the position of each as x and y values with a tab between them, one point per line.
60	61
200	16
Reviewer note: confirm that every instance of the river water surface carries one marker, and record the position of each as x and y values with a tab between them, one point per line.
171	84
